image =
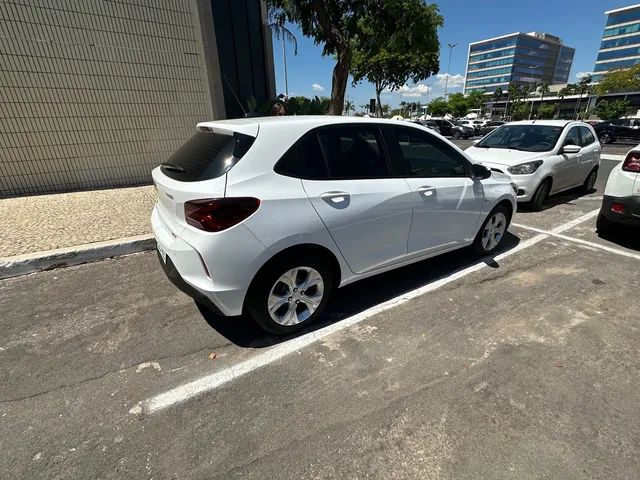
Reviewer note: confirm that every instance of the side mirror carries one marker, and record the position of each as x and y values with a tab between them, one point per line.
570	149
480	172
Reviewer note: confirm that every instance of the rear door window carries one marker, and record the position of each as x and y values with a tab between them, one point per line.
206	155
354	152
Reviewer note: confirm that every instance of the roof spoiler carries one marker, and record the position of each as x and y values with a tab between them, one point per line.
250	129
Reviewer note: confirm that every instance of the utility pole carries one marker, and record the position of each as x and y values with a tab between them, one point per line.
284	62
446	80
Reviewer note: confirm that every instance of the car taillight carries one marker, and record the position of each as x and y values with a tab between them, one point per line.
632	162
617	208
217	214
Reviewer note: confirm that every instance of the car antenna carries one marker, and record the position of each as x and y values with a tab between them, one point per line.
244	112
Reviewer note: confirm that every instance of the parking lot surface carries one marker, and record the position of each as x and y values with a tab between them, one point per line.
524	365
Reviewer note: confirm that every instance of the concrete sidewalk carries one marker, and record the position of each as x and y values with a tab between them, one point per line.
49	222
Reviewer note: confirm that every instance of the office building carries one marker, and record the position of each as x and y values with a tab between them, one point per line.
620	47
517	58
97	93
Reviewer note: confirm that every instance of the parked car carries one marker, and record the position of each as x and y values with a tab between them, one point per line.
543	157
621	201
491	126
431	125
622	129
448	129
269	215
470	124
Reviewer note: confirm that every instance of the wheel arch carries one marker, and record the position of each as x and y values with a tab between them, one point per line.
301	249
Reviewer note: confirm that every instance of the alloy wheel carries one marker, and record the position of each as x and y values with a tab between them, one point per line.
494	231
295	296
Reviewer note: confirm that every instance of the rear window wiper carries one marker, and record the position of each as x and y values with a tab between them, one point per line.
175	168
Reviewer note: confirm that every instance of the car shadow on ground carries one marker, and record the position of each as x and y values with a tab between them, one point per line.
565	198
359	296
623	236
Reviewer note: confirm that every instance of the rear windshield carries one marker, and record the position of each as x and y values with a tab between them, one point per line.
206	155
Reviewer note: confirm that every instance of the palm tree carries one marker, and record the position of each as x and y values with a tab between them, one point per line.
563	92
582	87
283	33
385	108
349	107
403	105
365	107
497	95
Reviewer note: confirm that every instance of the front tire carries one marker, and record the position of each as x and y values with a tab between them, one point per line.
493	231
290	294
540	196
456	135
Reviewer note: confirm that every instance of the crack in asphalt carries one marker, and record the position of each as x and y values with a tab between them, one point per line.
102	375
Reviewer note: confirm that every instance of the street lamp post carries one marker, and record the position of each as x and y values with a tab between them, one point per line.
446	80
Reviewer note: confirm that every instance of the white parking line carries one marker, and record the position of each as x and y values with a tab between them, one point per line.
580	241
210	382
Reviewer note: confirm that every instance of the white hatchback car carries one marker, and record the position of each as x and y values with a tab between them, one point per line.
268	215
621	201
543	157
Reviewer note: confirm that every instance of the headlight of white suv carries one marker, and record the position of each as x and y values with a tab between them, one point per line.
525	168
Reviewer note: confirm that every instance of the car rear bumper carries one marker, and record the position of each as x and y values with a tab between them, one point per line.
185	268
630	214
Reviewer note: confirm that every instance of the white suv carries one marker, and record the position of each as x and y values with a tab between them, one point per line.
621	201
543	157
268	215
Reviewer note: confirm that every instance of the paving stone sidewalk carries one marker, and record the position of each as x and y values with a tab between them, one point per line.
48	222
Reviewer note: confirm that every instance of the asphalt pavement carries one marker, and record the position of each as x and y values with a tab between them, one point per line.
523	365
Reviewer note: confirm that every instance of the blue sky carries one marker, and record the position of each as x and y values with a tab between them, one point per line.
579	23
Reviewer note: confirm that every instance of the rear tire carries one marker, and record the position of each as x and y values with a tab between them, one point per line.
590	181
540	196
493	231
605	138
604	226
456	135
290	294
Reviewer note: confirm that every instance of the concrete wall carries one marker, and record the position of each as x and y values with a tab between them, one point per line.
96	93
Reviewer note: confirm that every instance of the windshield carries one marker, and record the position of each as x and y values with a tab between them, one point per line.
529	138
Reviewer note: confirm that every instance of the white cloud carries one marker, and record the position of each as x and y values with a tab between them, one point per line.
418	90
316	87
579	75
455	81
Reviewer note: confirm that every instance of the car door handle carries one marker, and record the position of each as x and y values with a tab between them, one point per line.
335	197
426	191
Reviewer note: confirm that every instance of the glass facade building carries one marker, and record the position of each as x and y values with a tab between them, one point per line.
620	47
518	58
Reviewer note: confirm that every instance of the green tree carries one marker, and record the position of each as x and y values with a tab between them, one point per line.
386	108
365	107
519	110
331	23
476	99
621	80
611	110
543	90
458	105
438	107
395	43
301	105
546	111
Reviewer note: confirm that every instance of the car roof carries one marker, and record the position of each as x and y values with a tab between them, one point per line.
551	123
250	126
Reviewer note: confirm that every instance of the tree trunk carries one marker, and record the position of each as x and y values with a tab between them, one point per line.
339	81
379	109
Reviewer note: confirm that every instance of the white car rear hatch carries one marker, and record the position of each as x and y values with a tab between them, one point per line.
198	169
